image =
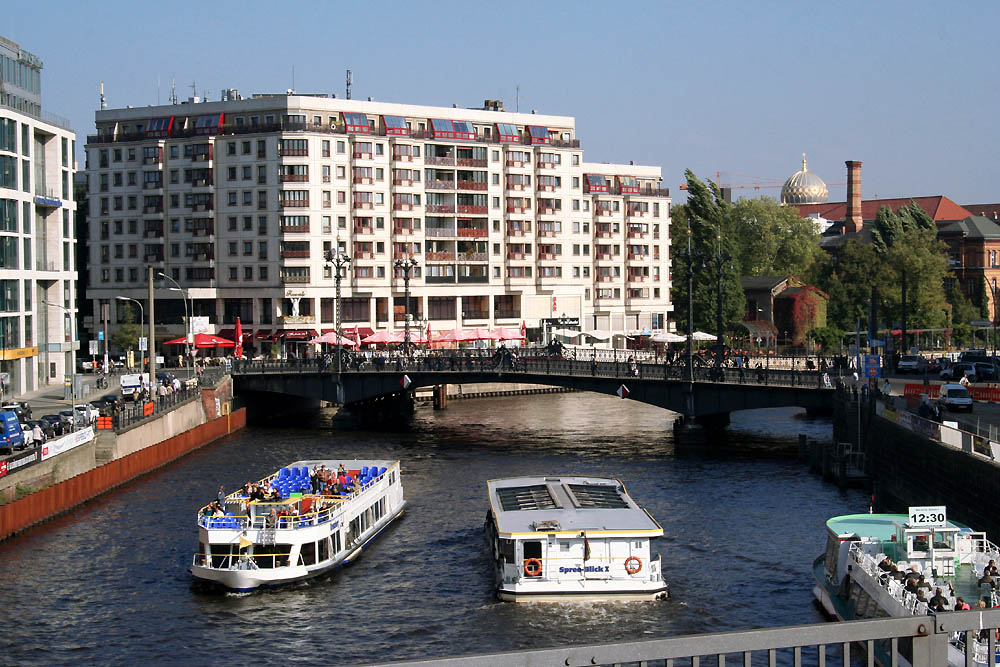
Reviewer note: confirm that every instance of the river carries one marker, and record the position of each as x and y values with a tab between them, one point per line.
109	584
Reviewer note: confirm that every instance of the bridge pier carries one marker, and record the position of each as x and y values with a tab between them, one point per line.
383	411
700	430
440	396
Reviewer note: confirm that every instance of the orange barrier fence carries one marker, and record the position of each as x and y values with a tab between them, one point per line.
915	390
147	408
41	505
990	393
105	423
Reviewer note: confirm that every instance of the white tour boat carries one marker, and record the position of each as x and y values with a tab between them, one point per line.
565	538
855	581
261	543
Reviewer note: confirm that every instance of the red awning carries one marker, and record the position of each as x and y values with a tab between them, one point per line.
227	333
263	334
296	334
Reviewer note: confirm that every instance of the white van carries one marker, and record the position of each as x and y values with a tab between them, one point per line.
954	397
131	382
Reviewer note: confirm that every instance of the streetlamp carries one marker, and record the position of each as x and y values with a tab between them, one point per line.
142	320
189	338
340	261
690	327
993	288
720	260
72	339
406	265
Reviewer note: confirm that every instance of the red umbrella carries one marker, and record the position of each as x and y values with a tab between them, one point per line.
457	336
238	352
384	337
501	333
331	338
203	340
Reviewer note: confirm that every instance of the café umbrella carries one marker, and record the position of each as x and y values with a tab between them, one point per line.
203	340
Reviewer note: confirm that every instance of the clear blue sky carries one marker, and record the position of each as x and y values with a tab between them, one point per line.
742	88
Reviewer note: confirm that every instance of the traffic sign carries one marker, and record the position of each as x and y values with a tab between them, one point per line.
142	344
100	335
873	366
93	348
622	392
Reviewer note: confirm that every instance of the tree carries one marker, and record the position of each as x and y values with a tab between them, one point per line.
828	338
126	335
772	239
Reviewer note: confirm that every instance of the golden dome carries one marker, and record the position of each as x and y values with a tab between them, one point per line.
804	187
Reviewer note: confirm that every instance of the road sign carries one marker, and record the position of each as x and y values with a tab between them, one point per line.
981	323
100	335
622	392
873	366
93	348
143	344
405	381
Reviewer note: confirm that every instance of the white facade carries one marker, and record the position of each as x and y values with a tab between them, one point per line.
37	237
239	200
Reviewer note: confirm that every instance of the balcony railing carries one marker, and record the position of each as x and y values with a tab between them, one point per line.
513	208
516	186
363	229
515	232
473	279
402	157
440	208
293	178
603	256
471	257
293	203
154	258
152	185
605	211
475	314
636	234
515	255
637	256
546	255
156	208
548	232
402	181
472	185
439	256
516	163
362	155
439	184
363	204
399	229
547	210
437	232
295	278
366	180
470	162
473	210
443	161
295	254
473	232
294	229
507	314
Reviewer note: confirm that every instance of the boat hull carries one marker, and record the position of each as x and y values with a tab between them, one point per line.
659	593
247	581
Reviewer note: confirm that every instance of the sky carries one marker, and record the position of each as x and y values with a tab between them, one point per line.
741	88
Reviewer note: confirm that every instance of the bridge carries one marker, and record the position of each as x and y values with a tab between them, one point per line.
706	395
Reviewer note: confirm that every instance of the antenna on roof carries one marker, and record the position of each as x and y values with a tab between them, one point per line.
517	99
157	90
350	80
293	78
173	90
104	103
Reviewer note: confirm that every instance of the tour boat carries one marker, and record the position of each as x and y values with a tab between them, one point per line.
306	535
566	538
852	582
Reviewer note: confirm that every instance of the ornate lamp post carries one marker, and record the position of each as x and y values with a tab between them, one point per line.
406	266
340	261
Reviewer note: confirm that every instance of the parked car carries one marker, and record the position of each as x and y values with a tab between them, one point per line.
29	438
985	370
47	430
954	397
956	371
934	364
11	433
57	424
86	413
16	409
72	418
911	363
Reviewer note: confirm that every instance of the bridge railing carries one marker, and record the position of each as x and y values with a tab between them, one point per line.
492	362
922	641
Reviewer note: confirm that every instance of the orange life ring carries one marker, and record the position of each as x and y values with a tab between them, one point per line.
633	565
532	567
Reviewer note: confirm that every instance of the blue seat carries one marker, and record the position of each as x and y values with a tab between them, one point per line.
364	471
381	471
283	473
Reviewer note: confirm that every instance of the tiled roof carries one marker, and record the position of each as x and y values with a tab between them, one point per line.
973	227
991	211
762	282
940	208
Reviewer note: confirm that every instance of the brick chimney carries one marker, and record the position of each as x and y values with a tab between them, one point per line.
853	220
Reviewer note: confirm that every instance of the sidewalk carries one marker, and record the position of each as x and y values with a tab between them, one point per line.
50	398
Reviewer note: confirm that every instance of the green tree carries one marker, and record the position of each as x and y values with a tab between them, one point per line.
847	277
828	338
126	334
772	239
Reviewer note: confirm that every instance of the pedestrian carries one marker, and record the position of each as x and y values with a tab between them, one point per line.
965	380
222	496
887	388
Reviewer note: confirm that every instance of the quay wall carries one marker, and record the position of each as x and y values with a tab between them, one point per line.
909	469
58	498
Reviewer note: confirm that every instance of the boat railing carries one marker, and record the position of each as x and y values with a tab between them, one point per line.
550	568
896	590
243	561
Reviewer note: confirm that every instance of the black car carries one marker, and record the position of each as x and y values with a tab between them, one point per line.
57	423
47	430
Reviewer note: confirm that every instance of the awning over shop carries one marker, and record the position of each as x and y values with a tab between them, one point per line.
263	334
761	329
295	334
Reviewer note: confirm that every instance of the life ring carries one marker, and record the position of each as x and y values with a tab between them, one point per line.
633	565
532	567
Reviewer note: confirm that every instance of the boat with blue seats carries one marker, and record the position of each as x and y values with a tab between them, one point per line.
895	565
556	538
294	533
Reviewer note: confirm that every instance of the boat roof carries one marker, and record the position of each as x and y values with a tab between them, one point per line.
350	464
567	505
880	527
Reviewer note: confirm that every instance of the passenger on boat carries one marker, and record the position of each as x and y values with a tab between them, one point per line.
922	583
897	574
911	585
961	605
991	569
886	564
938	602
341	470
271	520
222	495
921	598
987	579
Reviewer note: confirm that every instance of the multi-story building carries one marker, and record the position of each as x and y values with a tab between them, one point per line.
37	241
239	201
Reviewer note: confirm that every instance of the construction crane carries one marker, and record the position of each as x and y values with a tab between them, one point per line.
758	185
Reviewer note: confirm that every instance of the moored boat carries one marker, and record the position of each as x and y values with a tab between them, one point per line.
296	534
894	565
565	538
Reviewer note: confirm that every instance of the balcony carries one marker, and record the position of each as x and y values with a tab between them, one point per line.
546	255
364	254
475	314
473	279
471	257
442	161
637	257
359	204
605	279
547	210
152	185
402	230
547	232
439	184
432	280
42	265
402	181
295	279
401	254
293	203
473	232
402	206
154	258
364	180
152	232
326	178
472	185
203	231
512	208
438	232
298	319
605	234
546	164
146	160
203	182
439	256
507	314
516	163
511	231
472	210
603	256
294	229
154	208
515	255
293	178
516	186
402	157
292	152
363	229
295	254
362	155
440	208
470	162
546	188
202	206
636	278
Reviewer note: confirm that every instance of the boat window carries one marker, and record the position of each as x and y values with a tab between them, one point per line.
507	550
564	546
637	545
598	496
533	549
515	498
921	543
945	542
271	555
222	554
309	553
336	542
324	549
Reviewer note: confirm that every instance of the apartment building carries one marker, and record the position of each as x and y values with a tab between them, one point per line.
37	238
239	201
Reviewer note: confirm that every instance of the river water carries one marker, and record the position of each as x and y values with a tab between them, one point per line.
743	520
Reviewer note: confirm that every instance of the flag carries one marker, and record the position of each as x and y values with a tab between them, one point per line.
586	548
524	328
238	352
428	335
244	542
357	337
